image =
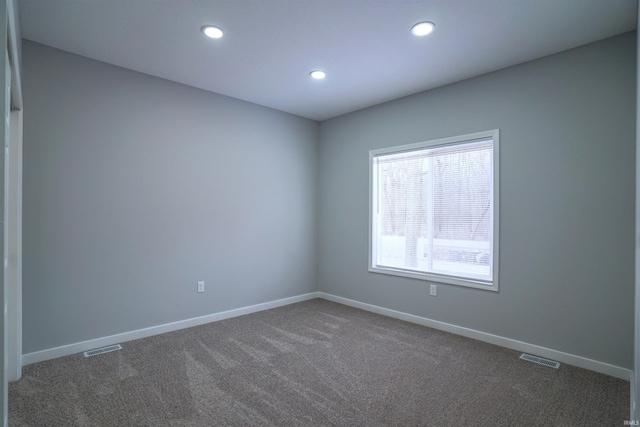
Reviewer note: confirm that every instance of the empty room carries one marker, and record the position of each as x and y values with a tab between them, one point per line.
320	213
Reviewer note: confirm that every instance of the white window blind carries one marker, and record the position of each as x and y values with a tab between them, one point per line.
434	210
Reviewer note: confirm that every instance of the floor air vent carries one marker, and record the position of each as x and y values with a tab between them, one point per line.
540	360
102	350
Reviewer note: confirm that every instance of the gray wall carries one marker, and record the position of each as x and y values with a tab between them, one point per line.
135	188
567	200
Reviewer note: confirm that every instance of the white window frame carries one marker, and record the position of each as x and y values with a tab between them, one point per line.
429	276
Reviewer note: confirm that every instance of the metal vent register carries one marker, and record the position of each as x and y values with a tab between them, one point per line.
540	360
102	350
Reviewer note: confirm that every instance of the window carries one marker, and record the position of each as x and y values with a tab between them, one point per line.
434	210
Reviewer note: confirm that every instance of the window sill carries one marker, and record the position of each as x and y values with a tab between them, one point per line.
437	278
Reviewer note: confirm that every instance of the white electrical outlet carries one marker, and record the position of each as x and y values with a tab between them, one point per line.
200	286
432	290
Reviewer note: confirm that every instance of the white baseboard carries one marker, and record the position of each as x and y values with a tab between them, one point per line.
632	395
66	350
569	359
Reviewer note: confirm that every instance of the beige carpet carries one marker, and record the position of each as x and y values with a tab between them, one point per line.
315	363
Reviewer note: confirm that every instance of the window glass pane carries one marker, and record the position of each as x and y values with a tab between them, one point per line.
462	196
433	210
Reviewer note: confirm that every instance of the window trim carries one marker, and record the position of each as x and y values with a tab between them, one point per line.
434	277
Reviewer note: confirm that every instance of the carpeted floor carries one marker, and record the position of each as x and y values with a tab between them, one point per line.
316	363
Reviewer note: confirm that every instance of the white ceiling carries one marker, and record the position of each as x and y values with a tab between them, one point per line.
365	46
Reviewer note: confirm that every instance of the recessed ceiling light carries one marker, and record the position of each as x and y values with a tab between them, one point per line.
422	28
318	74
213	32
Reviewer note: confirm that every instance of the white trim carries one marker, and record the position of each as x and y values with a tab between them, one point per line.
569	359
13	274
635	381
438	144
80	347
632	396
15	47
